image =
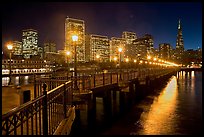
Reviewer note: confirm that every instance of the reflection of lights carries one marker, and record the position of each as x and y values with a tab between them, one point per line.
192	74
135	60
161	111
126	59
115	58
26	77
141	61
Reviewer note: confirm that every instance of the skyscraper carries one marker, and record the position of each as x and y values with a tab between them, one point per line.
98	46
30	42
17	45
75	27
179	43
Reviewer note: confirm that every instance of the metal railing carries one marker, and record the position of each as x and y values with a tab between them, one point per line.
40	116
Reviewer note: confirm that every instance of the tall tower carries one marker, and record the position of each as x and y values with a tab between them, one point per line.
75	27
179	43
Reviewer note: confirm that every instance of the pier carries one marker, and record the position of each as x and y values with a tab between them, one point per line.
49	112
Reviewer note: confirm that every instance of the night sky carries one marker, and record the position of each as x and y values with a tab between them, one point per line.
108	19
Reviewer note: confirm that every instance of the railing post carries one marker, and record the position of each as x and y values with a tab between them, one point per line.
45	116
94	80
111	78
103	78
64	100
34	77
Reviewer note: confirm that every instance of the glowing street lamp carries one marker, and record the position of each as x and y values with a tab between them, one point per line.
148	57
10	47
75	39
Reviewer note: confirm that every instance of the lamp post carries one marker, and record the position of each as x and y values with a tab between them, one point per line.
120	50
75	39
10	47
67	53
97	60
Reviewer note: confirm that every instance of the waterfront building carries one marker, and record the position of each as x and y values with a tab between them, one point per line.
75	27
25	66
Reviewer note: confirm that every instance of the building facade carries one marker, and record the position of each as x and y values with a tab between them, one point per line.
29	43
75	27
99	48
115	44
17	48
165	51
50	47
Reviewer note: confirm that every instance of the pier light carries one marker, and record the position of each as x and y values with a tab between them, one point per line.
75	39
127	60
120	50
135	60
141	61
115	58
10	47
155	59
148	57
97	56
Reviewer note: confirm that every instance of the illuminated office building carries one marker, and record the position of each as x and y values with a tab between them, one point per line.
30	43
75	27
17	48
143	46
115	43
129	51
165	51
97	45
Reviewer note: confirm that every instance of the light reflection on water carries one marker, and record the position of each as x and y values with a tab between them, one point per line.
178	108
16	80
160	118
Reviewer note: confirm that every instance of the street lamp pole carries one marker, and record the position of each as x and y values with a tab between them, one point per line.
75	39
10	47
68	53
120	50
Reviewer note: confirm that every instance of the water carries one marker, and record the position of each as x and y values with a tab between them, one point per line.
176	110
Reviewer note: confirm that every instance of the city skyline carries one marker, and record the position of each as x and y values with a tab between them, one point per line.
141	18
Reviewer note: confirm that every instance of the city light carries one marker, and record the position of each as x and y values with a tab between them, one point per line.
120	49
97	56
74	38
68	53
148	57
115	58
10	46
